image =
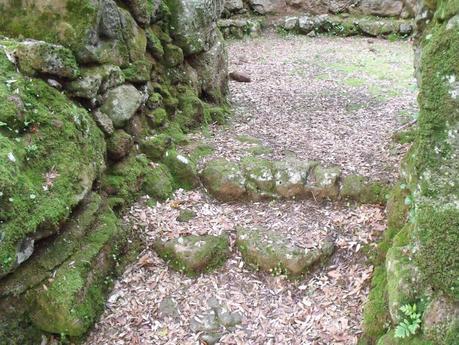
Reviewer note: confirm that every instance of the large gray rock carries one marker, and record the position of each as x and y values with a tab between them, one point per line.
384	8
194	23
234	5
268	6
121	104
212	70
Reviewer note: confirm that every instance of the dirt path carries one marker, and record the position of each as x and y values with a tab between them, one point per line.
334	100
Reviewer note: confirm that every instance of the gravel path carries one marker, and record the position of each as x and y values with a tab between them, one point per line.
335	100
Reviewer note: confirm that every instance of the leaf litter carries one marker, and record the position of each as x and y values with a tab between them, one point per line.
297	105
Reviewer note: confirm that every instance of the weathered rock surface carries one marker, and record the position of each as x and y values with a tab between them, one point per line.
45	173
96	31
212	71
240	27
37	57
194	23
269	252
194	254
121	104
224	180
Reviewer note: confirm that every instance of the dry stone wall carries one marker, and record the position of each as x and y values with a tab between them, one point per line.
95	96
383	8
421	267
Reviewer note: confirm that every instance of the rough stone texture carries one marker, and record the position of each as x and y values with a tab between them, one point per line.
212	71
269	252
267	6
403	280
36	57
183	169
194	254
43	175
96	31
384	8
234	5
224	180
194	23
121	104
119	145
441	319
144	11
290	177
70	301
239	28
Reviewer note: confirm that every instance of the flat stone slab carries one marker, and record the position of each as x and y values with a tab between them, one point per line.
194	254
270	252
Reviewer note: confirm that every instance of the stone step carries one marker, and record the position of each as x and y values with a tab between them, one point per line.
262	179
270	252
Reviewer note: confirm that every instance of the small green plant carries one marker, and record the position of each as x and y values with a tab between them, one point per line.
410	323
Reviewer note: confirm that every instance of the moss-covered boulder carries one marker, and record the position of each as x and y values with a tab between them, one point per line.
193	255
158	182
121	104
144	11
173	55
119	144
183	169
51	151
138	71
96	31
259	177
194	23
270	252
70	302
191	113
157	117
156	146
403	281
38	57
95	80
224	180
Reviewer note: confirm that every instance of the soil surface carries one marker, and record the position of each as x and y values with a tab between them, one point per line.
334	100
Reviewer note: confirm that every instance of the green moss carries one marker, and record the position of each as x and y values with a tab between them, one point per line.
154	45
173	55
46	140
157	117
124	180
191	112
158	182
376	318
183	169
360	189
70	303
200	151
397	209
437	227
138	71
156	146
